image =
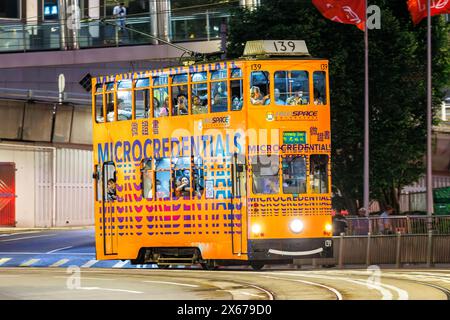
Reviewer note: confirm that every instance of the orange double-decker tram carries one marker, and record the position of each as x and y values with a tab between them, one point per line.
215	163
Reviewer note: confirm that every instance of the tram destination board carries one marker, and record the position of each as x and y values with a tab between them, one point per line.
294	137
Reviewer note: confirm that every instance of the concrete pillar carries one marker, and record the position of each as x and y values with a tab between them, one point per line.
163	10
69	17
154	20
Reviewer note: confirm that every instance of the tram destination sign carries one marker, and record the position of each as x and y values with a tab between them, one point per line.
294	137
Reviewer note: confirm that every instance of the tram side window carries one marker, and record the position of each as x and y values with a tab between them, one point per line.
198	178
291	87
320	90
99	108
162	178
265	174
259	87
109	97
142	98
219	98
318	173
199	93
294	174
99	182
124	111
236	90
147	179
181	177
160	102
180	101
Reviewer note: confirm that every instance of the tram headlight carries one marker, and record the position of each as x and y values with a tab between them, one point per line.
296	226
328	227
256	228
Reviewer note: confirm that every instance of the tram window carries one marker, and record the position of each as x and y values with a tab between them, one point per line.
198	178
147	179
124	100
219	98
292	87
318	173
160	102
198	77
294	174
99	108
162	164
265	174
142	83
162	182
180	78
236	95
180	100
219	74
236	73
109	182
161	80
142	103
182	163
259	87
99	88
182	183
109	96
320	92
99	182
199	96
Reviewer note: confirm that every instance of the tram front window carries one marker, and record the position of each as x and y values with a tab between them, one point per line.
265	174
294	174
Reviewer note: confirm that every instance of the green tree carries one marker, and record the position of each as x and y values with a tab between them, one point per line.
397	87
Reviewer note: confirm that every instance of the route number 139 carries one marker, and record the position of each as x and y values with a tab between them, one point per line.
283	46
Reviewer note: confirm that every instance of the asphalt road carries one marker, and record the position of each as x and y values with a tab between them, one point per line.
68	270
153	284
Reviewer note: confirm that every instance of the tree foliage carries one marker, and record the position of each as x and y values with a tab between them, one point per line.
397	87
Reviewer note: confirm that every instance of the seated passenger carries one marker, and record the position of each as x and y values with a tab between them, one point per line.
161	192
182	188
256	97
181	108
236	103
156	107
162	111
197	107
278	101
219	103
110	112
297	99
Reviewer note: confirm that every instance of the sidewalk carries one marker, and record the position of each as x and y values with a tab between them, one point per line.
16	230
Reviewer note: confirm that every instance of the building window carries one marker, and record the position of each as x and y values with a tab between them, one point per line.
51	10
10	9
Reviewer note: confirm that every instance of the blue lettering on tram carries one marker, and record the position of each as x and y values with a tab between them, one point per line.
199	146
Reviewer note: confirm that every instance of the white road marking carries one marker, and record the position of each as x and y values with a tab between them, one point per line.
108	289
60	263
120	264
89	264
87	278
18	233
174	283
53	251
28	253
237	291
29	262
337	293
386	294
32	237
4	260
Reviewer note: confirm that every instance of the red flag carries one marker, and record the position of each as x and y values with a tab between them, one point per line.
418	8
343	11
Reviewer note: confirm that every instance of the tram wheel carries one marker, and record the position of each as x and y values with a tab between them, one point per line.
208	265
257	265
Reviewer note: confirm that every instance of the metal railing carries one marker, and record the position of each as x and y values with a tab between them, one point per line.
45	95
94	34
393	224
397	249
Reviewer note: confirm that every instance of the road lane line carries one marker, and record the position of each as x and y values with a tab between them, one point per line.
86	278
59	263
29	262
32	237
15	234
4	260
108	289
174	283
386	294
89	264
336	292
120	264
53	251
56	253
237	291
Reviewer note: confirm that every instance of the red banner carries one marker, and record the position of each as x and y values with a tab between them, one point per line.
418	8
343	11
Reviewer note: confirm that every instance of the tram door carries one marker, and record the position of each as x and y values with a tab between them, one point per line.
110	232
238	205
